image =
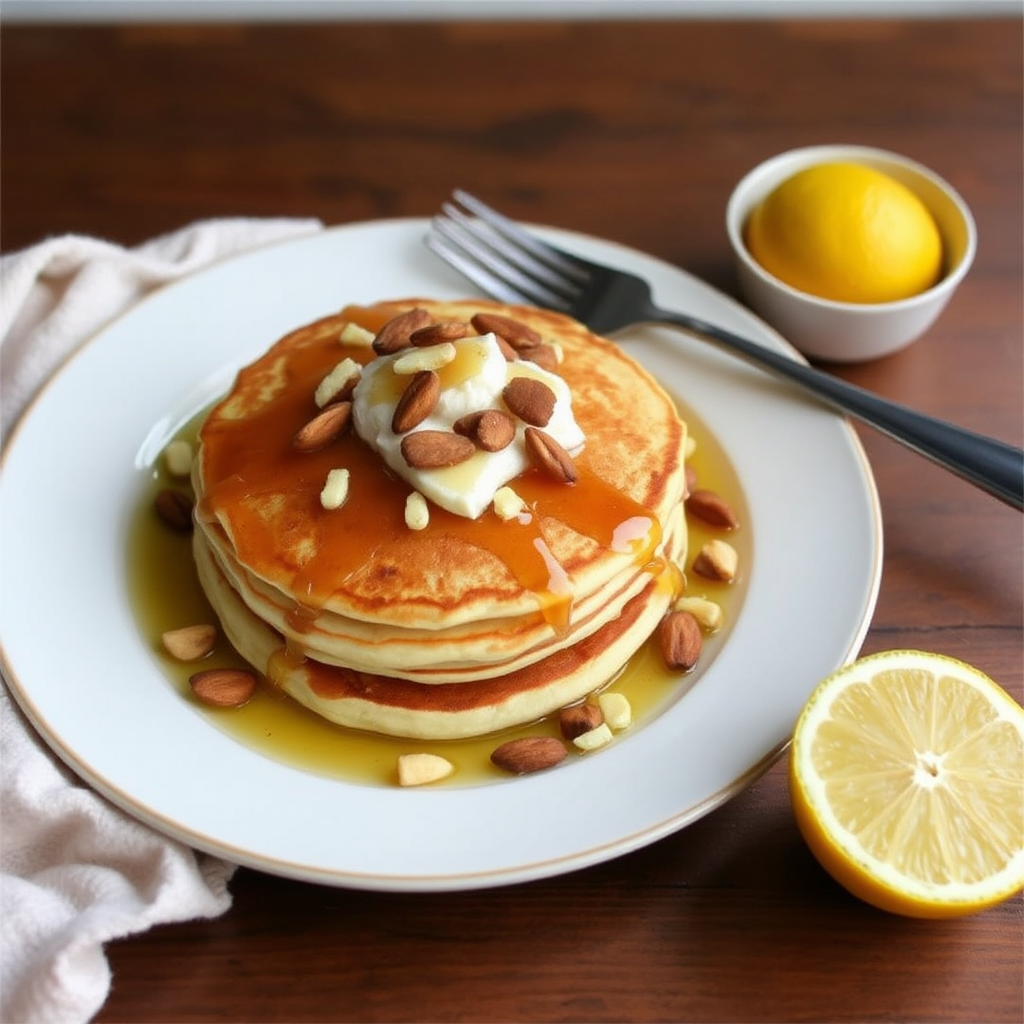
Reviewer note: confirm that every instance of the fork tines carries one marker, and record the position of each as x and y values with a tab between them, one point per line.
507	262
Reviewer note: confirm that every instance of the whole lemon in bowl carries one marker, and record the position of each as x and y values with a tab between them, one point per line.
846	232
855	222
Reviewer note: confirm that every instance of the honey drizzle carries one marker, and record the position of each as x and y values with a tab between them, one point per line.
165	592
250	462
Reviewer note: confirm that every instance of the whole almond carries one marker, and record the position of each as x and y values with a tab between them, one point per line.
443	330
712	509
324	428
418	401
547	455
543	355
490	429
577	719
529	754
515	332
529	399
190	643
175	509
436	449
681	639
394	335
510	354
224	687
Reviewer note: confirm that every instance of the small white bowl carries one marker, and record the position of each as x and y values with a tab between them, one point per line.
847	331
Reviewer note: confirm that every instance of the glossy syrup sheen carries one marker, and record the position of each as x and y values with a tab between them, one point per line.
250	461
165	594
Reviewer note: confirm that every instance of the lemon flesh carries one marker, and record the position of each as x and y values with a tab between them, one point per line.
907	781
847	233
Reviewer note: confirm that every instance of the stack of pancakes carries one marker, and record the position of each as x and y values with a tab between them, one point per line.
467	626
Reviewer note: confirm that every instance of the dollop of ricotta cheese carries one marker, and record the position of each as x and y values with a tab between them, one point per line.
471	382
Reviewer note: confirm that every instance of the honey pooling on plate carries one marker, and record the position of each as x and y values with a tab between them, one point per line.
500	632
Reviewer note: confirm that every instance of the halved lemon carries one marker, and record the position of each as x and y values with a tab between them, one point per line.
907	781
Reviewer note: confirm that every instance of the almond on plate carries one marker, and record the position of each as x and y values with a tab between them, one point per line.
224	687
529	754
190	643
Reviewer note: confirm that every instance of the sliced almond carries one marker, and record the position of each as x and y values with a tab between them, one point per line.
429	358
395	334
599	736
353	334
489	429
175	509
417	512
711	508
515	332
417	402
547	455
224	687
507	504
338	384
617	710
178	458
529	399
577	719
681	640
335	489
422	769
529	754
717	560
190	643
435	449
442	331
709	614
324	428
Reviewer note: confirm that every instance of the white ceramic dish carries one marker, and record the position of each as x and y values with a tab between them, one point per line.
76	466
848	332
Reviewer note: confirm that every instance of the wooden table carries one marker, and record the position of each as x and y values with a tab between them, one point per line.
635	132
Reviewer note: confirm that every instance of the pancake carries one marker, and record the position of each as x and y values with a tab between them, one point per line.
471	650
474	622
397	706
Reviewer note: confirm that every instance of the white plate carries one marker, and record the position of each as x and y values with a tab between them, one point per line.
74	658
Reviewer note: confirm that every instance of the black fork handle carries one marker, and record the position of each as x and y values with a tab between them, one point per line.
992	465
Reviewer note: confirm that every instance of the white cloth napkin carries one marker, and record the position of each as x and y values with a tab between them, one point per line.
76	872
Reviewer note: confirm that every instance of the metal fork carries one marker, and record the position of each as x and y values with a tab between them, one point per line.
515	266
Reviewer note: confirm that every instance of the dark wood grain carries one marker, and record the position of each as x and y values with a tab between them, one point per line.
635	132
